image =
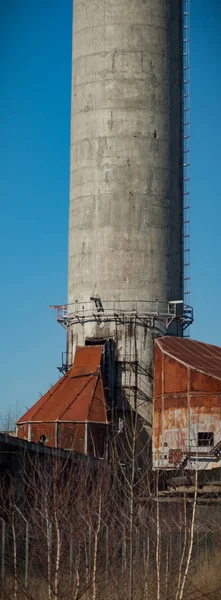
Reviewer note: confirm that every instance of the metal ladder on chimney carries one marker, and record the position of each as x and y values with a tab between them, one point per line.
186	151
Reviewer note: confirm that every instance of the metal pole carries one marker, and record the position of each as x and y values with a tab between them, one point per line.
107	556
89	553
124	552
26	554
26	544
170	552
71	562
148	553
213	547
3	555
137	545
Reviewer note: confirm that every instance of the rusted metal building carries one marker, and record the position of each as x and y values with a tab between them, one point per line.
186	404
73	413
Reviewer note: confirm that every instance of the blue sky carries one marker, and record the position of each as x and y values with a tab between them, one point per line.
35	88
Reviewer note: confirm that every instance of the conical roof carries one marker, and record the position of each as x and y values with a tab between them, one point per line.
77	397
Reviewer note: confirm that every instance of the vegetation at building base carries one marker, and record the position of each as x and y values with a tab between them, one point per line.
68	532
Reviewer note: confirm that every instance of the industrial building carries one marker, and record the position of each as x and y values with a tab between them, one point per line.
73	413
186	405
128	311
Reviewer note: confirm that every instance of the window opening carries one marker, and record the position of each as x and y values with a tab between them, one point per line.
205	438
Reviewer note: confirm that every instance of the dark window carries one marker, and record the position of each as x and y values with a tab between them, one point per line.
206	438
95	341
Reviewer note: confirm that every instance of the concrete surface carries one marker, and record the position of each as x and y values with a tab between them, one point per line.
125	232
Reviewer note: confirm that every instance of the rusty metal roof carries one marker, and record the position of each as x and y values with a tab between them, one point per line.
78	396
196	355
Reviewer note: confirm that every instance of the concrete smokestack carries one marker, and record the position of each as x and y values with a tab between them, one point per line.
126	190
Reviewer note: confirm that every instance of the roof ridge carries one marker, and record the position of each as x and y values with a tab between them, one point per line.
186	362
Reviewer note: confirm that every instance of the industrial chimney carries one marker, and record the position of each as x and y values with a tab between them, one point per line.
125	277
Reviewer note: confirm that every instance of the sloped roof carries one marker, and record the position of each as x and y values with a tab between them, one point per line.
196	355
77	396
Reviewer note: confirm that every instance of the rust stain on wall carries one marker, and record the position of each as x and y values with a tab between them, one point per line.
190	404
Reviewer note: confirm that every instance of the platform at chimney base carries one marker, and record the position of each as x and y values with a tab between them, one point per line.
131	326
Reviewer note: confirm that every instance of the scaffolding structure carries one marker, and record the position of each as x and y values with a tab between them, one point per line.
155	315
186	151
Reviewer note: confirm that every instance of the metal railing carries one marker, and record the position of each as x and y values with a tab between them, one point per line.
123	311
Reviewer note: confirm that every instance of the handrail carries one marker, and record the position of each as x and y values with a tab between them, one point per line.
124	310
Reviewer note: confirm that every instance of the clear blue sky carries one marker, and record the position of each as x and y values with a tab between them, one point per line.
35	87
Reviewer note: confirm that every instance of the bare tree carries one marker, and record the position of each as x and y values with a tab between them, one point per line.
100	529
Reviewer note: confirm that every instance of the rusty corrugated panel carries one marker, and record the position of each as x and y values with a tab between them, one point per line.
187	400
33	412
197	355
97	411
72	436
78	396
37	430
23	431
82	398
158	357
88	356
199	381
175	376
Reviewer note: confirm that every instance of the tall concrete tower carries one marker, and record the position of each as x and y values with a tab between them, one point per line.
126	190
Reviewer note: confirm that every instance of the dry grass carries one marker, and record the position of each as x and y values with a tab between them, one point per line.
204	582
